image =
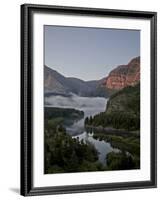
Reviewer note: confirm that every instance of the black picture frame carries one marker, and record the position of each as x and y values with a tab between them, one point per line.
27	11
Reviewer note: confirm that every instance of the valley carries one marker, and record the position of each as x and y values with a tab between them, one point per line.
96	123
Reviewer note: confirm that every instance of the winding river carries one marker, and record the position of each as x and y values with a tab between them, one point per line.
90	106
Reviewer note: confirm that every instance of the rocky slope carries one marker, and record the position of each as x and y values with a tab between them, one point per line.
124	75
122	111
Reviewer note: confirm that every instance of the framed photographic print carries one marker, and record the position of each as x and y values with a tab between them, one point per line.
88	99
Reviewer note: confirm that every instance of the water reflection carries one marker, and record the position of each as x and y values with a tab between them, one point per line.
102	147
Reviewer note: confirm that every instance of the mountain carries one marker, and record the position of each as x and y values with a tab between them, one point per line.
124	75
119	78
126	100
55	83
122	110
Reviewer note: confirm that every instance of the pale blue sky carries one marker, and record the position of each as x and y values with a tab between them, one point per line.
89	53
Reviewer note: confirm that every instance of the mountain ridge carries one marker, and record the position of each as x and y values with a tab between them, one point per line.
120	77
55	83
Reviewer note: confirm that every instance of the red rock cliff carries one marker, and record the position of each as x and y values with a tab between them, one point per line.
124	75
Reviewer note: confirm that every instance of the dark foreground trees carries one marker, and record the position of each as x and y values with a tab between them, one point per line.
120	161
66	154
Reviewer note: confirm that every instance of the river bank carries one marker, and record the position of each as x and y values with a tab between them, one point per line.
110	130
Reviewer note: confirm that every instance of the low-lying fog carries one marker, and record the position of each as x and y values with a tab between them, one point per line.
90	105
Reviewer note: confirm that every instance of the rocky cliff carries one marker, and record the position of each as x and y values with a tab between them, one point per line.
124	75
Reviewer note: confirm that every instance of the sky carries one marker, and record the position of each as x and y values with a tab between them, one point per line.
88	53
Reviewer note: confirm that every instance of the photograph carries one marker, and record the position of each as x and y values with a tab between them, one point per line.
91	99
88	99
